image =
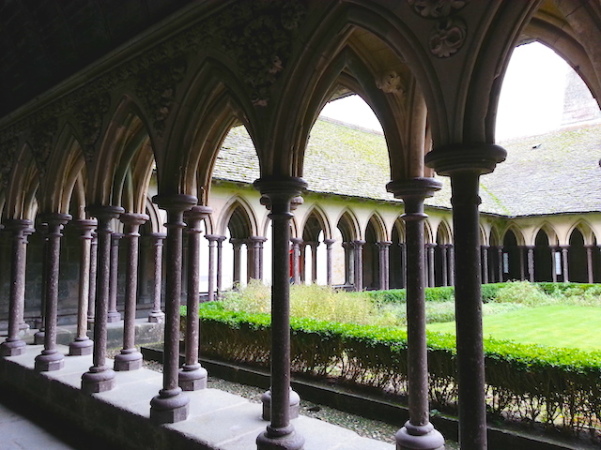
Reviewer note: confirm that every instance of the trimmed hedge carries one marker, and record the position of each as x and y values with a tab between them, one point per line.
557	387
432	294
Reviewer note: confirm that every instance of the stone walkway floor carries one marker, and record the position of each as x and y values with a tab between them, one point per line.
219	419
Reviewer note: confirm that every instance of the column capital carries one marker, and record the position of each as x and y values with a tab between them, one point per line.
158	236
418	187
197	213
329	242
86	226
257	239
105	212
55	218
296	241
175	202
214	238
280	192
134	219
357	243
481	158
384	244
17	225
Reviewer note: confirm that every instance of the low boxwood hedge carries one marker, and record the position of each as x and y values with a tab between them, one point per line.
558	387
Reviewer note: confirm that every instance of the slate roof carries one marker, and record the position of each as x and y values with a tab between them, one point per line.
553	173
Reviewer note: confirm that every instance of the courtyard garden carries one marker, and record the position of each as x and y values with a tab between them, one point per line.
542	352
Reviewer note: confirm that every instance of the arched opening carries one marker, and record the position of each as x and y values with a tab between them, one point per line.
577	258
543	258
513	263
397	256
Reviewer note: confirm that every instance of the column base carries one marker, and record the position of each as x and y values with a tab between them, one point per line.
170	406
12	347
280	439
192	378
425	437
98	379
113	317
81	346
156	317
38	337
128	359
49	360
294	405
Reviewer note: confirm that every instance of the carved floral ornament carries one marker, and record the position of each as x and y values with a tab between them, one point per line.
450	32
8	150
90	113
390	82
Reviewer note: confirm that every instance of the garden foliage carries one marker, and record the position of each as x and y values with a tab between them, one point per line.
558	387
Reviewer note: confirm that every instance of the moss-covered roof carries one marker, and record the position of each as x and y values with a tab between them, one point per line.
554	173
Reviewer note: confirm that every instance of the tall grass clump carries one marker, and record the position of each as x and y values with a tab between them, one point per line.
523	293
313	302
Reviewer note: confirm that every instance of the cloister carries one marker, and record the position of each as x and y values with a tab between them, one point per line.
113	120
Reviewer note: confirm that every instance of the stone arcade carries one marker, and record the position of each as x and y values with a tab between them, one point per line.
95	95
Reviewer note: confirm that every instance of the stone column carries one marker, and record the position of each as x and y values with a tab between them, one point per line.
100	377
211	272
500	259
14	345
255	248
358	263
564	262
464	163
219	277
430	259
50	358
171	405
130	358
296	242
451	253
553	265
589	262
38	337
530	258
418	432
403	248
237	244
383	259
193	376
156	315
521	254
82	344
349	267
92	278
329	243
444	257
113	315
484	250
313	246
277	194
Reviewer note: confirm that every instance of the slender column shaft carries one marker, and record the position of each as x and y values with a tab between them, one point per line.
403	248
430	259
500	264
113	314
278	194
92	277
553	265
329	243
383	259
296	242
219	277
260	249
130	358
14	345
468	314
349	277
100	377
589	263
313	246
358	263
211	272
484	251
192	376
444	257
171	405
82	344
255	249
157	315
237	245
38	337
51	358
418	432
530	254
564	260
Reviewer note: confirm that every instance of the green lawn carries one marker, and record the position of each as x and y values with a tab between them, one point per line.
554	325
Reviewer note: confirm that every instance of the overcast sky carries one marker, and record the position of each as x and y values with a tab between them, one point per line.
531	98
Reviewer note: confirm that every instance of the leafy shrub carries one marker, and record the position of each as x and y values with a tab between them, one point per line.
558	387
